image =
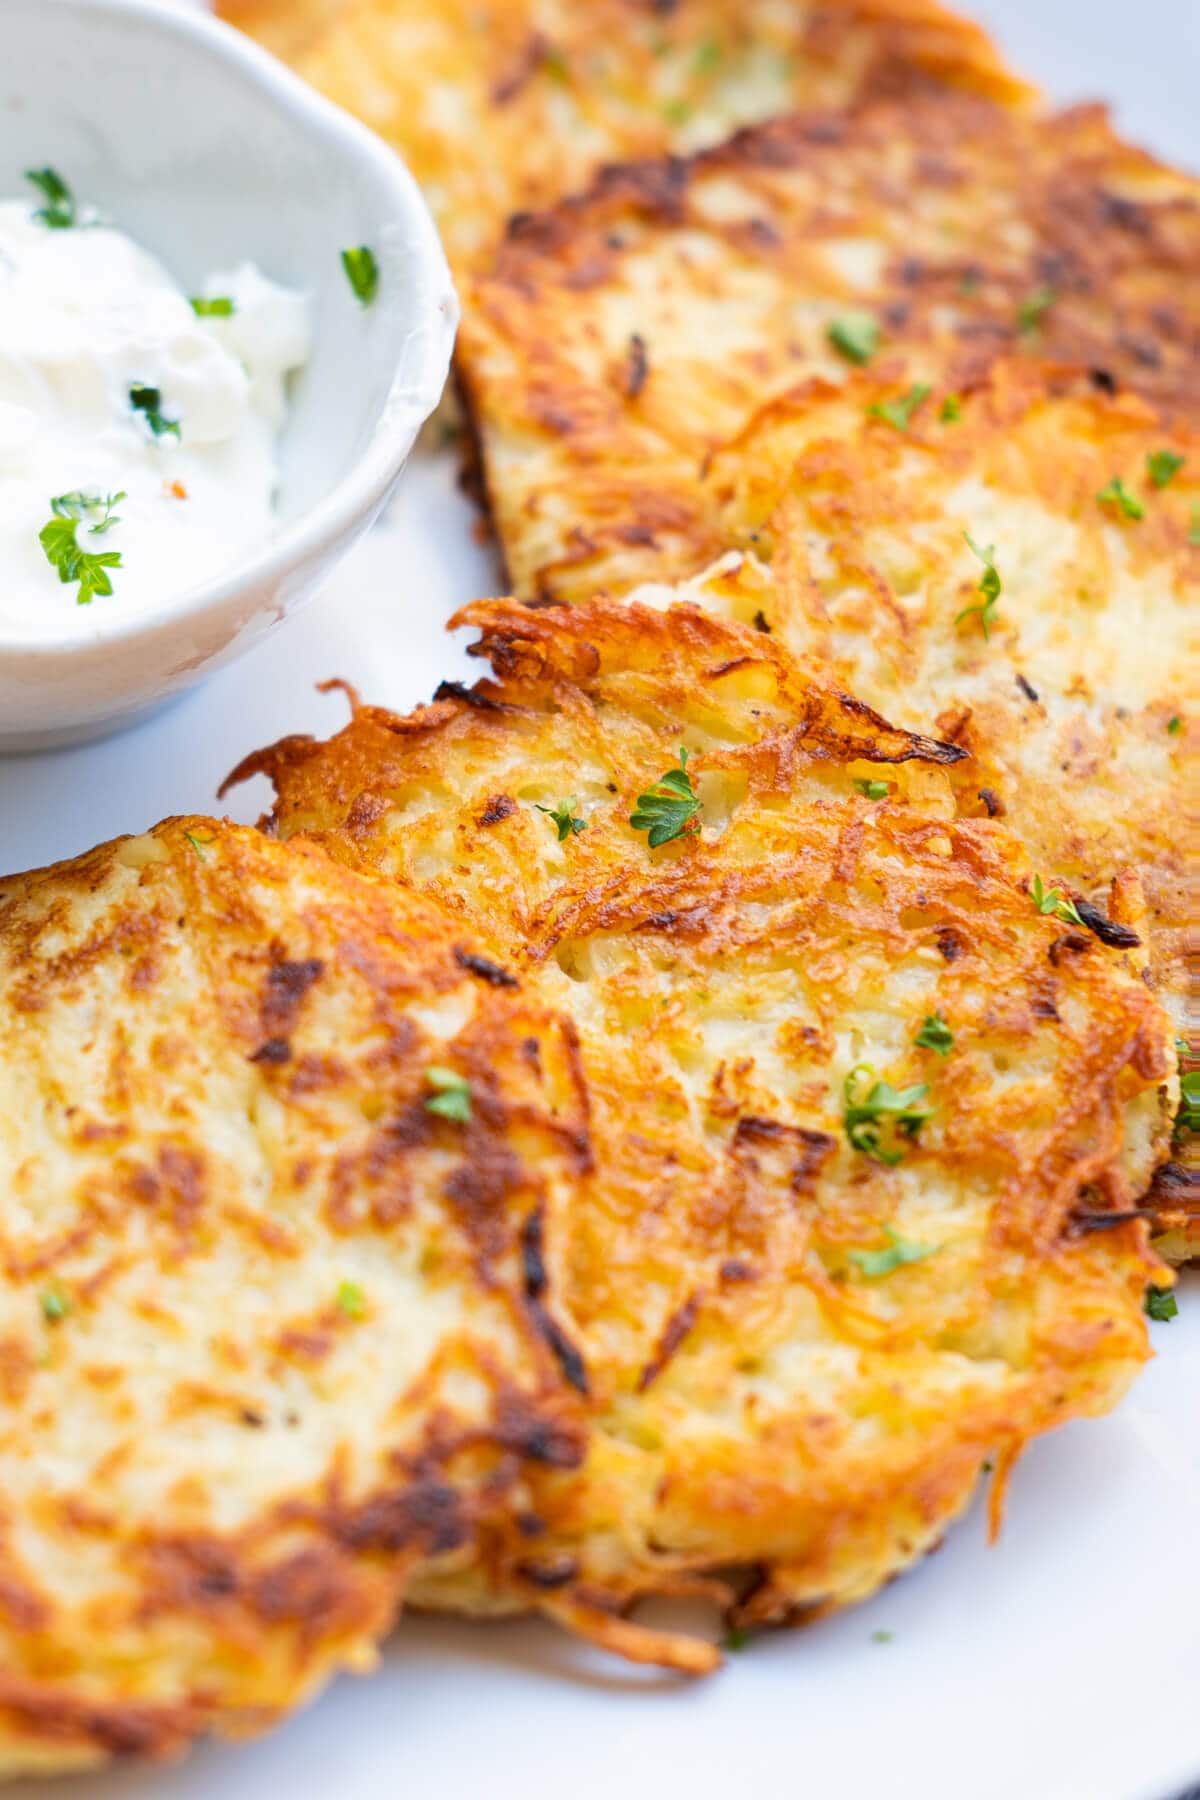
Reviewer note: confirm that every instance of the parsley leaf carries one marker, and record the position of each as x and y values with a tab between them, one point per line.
148	401
362	272
350	1300
670	808
451	1098
874	790
1174	726
1187	1119
876	1263
1163	466
882	1637
1194	528
55	1304
200	845
1117	494
874	1119
900	412
563	817
735	1639
59	212
76	505
1161	1304
951	411
990	587
220	307
1050	902
89	568
935	1034
708	56
1032	309
856	336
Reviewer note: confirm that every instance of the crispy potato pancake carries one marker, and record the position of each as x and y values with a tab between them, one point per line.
500	106
1075	689
265	1340
621	338
804	1320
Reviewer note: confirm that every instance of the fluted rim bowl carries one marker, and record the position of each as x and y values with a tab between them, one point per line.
208	151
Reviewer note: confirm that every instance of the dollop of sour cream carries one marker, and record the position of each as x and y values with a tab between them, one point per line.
113	383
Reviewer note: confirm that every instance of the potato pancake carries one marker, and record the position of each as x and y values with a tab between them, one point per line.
623	337
856	1103
881	527
265	1338
500	106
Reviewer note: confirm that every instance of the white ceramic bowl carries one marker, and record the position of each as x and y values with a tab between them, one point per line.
207	151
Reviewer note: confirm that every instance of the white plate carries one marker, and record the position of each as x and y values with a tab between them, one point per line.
1062	1665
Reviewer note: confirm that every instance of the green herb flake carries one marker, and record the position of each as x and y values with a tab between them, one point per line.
878	1115
220	307
80	506
990	586
200	845
59	212
1163	466
735	1639
1187	1119
362	272
1194	528
1051	903
1174	726
351	1301
874	790
1117	494
856	336
563	817
89	568
883	1637
55	1304
875	1264
670	809
951	411
708	57
555	65
1034	308
148	402
451	1098
935	1035
899	413
677	112
1161	1305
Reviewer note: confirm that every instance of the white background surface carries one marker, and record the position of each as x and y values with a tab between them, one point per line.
1063	1665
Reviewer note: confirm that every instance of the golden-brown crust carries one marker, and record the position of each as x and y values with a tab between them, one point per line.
949	220
471	92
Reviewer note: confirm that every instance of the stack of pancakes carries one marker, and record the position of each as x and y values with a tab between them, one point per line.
665	1119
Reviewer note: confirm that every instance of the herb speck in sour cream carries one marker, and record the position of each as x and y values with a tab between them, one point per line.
138	422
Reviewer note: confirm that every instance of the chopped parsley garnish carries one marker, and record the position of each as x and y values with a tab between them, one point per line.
451	1098
351	1301
736	1639
59	212
877	1114
1051	903
564	818
1117	494
1163	466
1161	1304
89	568
900	1250
1033	308
1174	726
1194	528
951	411
677	112
77	505
670	808
874	790
899	412
220	307
200	845
55	1304
1187	1119
148	402
935	1034
882	1637
990	587
856	336
708	56
362	272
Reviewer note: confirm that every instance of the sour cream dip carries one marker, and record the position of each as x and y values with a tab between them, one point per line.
114	382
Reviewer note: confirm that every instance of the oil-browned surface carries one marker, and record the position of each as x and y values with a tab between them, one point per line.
503	105
265	1340
623	337
1078	705
757	1396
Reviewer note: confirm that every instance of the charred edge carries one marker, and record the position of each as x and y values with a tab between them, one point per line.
287	984
274	1050
555	1574
674	1332
484	968
500	806
992	802
1029	691
1070	943
285	754
429	1513
458	690
1120	937
1176	1188
520	1427
917	747
1083	1219
533	1268
637	367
